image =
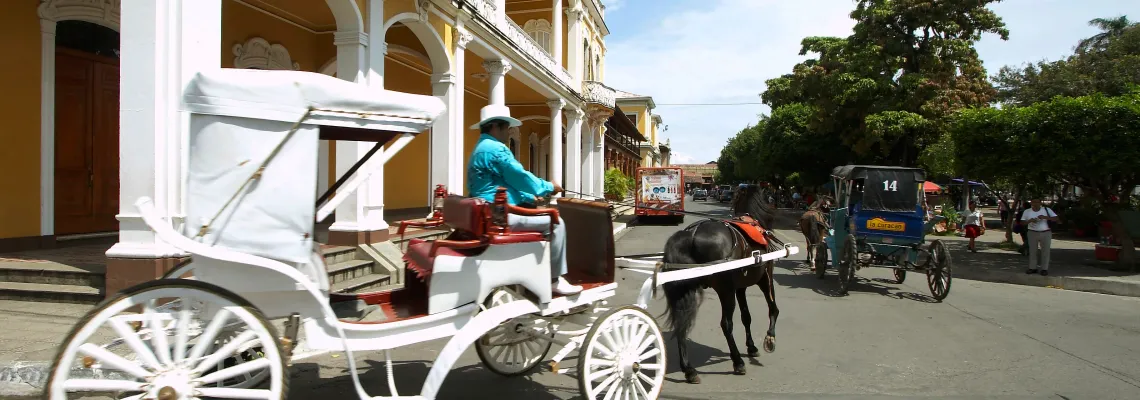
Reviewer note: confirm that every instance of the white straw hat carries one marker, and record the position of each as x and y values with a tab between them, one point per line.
499	112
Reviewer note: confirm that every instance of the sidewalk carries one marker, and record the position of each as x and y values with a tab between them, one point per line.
1071	266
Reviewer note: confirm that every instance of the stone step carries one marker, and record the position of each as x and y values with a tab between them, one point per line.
75	294
349	270
338	254
49	273
367	283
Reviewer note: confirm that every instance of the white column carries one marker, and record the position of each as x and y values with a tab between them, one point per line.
574	58
442	136
47	128
586	163
364	209
164	44
497	70
574	150
556	16
556	140
455	183
599	160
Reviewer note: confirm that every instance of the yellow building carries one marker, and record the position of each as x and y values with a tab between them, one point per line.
93	88
639	109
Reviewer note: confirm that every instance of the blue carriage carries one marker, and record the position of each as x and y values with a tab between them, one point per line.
879	221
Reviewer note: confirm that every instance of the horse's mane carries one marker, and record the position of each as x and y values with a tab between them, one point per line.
818	203
753	200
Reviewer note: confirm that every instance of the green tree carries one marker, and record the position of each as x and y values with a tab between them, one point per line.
1110	67
1110	28
886	90
1092	142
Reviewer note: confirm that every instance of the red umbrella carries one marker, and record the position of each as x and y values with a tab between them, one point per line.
931	187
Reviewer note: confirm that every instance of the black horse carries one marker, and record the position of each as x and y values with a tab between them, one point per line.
710	241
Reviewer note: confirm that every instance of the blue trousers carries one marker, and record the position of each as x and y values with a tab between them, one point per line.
524	223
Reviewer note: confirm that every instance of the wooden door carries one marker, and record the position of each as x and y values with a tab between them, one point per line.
86	143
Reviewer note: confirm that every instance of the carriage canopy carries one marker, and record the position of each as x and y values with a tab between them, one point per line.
885	188
251	182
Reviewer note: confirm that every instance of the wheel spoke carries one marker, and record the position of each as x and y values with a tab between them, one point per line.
231	393
241	369
229	349
648	354
134	342
600	363
607	334
653	367
641	389
645	344
158	338
94	385
604	386
181	336
600	373
206	339
646	378
599	346
615	394
114	360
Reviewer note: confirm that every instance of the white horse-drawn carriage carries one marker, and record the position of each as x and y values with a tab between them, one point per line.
254	296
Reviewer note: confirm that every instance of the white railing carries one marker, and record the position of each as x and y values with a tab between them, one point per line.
519	37
598	93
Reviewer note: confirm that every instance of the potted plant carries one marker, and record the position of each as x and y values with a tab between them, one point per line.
617	185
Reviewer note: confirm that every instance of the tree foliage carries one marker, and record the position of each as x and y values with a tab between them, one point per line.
1091	141
1107	63
881	95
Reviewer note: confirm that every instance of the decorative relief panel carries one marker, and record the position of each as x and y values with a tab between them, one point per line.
597	93
106	12
257	53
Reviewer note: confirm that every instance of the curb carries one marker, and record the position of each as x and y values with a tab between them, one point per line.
620	228
1075	283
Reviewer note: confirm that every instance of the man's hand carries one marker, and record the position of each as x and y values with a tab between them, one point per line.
557	188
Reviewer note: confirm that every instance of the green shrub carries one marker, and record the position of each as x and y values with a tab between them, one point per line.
950	213
617	185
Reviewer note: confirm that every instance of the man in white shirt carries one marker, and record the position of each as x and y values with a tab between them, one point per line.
1037	219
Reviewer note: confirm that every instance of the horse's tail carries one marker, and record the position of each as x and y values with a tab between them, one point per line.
682	298
813	229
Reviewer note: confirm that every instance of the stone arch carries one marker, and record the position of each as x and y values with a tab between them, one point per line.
347	15
433	44
103	13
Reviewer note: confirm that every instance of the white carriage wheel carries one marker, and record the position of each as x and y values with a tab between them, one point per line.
171	366
623	357
246	352
509	349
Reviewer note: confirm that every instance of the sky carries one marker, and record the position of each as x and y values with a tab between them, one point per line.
722	51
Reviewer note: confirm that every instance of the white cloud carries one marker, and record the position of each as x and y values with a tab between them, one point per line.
721	51
682	158
613	5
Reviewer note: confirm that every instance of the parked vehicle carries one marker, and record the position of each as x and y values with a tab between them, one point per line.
725	195
700	194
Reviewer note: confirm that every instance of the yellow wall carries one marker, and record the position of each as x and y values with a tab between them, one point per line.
239	23
20	111
407	175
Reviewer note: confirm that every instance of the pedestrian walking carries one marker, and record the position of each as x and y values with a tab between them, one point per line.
1003	210
1037	219
975	225
1019	228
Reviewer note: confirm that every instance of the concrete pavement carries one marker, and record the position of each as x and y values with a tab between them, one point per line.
882	341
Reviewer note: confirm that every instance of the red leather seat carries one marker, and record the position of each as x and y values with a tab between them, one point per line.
468	217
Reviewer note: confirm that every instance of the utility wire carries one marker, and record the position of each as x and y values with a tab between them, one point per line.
706	104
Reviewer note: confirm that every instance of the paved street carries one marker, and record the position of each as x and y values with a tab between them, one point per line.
883	341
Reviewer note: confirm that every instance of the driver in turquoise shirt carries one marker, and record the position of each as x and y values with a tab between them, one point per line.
492	165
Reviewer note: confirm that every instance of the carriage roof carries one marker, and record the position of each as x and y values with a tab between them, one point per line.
266	126
286	96
860	171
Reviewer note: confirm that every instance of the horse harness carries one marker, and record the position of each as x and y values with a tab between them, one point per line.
739	250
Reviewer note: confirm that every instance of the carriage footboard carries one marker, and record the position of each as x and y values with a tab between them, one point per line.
659	277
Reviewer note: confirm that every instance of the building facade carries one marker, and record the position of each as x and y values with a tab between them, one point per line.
623	143
94	88
699	175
